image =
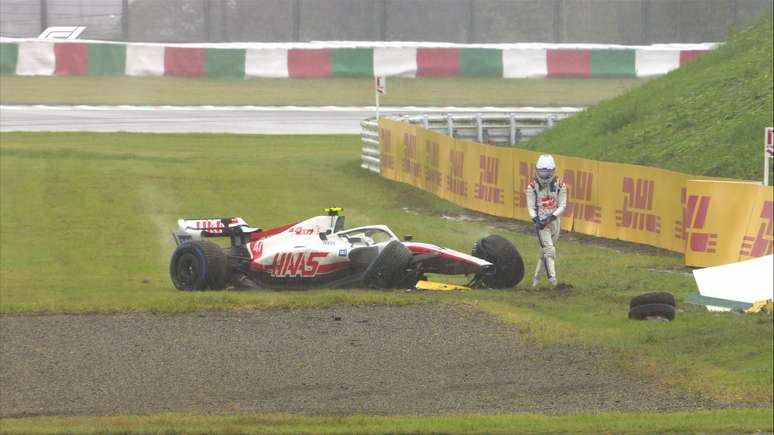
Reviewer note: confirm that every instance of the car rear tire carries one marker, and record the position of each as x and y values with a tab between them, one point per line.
509	266
652	311
388	270
653	298
199	265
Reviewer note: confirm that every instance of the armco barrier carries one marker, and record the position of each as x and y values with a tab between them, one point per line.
713	221
240	61
493	128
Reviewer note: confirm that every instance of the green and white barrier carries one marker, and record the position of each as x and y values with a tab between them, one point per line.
235	61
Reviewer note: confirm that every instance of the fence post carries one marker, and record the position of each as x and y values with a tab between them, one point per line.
512	125
43	15
207	20
296	20
557	21
224	34
125	20
449	125
383	20
471	22
479	128
644	22
425	121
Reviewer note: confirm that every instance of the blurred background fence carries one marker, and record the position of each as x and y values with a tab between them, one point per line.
628	22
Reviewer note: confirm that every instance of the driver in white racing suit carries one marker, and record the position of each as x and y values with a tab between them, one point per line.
546	201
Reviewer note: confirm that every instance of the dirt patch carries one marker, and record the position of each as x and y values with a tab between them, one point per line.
422	359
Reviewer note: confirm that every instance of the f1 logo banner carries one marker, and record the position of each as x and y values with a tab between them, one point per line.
62	32
726	222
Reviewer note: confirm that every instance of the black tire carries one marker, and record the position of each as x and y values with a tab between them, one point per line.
644	312
665	298
509	266
388	270
199	265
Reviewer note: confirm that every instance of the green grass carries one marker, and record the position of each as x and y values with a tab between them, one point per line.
85	221
309	92
705	118
729	421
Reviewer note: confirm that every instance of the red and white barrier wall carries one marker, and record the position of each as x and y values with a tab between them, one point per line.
413	60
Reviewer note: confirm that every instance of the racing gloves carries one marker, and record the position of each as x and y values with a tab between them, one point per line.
541	223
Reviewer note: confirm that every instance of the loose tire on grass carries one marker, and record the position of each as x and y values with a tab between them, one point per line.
649	311
199	265
665	298
388	269
509	266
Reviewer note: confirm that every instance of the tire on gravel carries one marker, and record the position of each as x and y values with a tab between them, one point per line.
651	311
199	265
388	270
653	298
509	266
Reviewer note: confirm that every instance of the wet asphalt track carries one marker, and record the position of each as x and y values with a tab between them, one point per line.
209	119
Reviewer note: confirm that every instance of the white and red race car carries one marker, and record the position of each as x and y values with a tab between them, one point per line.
319	252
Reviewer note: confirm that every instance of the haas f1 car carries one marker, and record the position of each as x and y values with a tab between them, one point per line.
319	252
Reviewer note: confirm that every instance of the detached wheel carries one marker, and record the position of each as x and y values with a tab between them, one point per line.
388	270
509	266
665	298
652	311
199	265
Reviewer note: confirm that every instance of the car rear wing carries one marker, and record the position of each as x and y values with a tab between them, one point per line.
195	229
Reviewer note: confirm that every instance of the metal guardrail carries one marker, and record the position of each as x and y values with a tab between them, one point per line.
501	129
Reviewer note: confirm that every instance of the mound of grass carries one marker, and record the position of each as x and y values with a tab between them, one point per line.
706	118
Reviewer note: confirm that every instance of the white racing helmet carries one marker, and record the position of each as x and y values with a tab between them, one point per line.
545	169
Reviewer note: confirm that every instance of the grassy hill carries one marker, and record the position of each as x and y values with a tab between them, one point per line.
706	118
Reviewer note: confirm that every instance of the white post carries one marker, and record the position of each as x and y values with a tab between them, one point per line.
479	128
380	88
512	128
376	93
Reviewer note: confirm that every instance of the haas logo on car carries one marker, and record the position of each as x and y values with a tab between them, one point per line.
257	249
214	226
296	263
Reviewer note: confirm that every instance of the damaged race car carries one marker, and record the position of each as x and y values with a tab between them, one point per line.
319	252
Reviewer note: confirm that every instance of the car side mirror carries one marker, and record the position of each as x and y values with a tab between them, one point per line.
408	238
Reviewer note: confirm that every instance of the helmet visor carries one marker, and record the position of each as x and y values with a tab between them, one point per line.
545	174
